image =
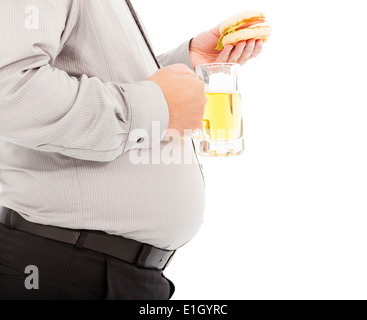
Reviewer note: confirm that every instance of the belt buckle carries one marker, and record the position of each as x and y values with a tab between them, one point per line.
154	258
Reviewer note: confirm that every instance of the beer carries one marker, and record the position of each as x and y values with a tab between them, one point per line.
222	131
222	117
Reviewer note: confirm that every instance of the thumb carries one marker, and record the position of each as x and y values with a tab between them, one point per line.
181	68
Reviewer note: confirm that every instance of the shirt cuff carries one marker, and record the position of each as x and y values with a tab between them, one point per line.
149	115
179	55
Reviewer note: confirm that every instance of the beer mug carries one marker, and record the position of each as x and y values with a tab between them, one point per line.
222	131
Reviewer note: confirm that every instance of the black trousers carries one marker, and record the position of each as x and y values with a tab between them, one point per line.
64	272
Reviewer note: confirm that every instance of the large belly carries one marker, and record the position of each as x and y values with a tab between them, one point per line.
160	204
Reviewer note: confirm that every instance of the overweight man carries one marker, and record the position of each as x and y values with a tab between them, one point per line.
80	92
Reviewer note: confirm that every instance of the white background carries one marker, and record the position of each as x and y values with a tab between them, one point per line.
287	220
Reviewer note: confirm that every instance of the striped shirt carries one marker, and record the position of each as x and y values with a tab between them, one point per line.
73	90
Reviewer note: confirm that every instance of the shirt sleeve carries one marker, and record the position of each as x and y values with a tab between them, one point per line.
180	54
45	109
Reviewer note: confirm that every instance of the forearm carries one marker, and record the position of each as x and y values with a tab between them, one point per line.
82	118
43	108
180	54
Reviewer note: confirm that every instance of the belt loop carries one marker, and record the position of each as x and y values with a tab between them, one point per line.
81	239
8	220
142	258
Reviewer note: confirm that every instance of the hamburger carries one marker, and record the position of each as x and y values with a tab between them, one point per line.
243	26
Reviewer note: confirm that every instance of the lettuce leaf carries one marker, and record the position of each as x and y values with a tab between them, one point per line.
228	31
220	42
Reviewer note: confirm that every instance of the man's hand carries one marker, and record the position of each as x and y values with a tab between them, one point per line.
184	95
202	49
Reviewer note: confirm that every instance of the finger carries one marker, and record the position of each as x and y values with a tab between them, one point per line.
246	54
258	48
237	52
224	55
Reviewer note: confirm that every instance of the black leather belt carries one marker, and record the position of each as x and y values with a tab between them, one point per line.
140	254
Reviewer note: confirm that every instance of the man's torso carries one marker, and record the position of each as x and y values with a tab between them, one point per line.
158	204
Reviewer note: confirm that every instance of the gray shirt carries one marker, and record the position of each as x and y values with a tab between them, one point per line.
73	88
